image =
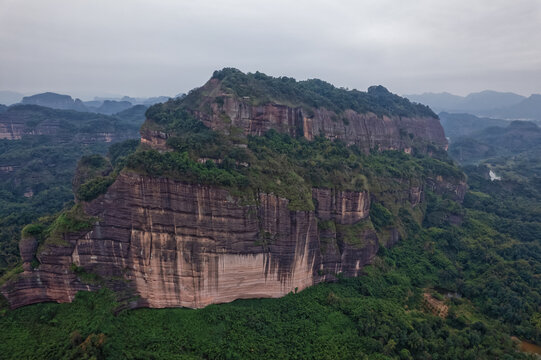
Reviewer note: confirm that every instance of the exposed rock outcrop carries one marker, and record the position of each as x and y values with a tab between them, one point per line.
168	243
176	244
369	131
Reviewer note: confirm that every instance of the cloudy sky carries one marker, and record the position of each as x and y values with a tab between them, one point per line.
165	47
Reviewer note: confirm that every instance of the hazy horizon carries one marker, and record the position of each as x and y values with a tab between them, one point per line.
145	49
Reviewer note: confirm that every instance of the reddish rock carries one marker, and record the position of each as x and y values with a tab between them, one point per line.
188	245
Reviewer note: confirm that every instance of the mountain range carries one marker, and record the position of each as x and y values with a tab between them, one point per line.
101	105
504	105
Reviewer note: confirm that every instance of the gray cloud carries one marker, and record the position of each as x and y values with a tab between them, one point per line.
145	48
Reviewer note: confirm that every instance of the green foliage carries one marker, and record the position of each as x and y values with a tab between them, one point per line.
32	230
354	234
94	187
41	167
120	151
380	216
72	220
182	167
519	137
280	164
11	274
315	93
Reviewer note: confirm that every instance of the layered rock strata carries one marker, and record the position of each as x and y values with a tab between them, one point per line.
369	131
176	244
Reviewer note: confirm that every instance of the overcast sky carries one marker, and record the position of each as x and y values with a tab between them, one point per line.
165	47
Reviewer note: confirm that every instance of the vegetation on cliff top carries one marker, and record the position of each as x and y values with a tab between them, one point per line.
259	89
488	281
315	93
36	171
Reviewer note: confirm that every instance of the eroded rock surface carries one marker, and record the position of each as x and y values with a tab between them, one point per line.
176	244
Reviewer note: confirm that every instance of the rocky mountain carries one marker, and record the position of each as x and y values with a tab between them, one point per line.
54	101
258	103
248	187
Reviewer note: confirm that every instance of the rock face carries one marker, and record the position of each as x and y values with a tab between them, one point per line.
55	101
369	131
166	243
187	245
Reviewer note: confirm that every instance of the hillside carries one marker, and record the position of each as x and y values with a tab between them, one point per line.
256	103
39	150
304	205
206	212
517	137
459	125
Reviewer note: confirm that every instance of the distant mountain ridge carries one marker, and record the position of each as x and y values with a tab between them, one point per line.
505	105
457	125
107	106
474	103
517	137
55	101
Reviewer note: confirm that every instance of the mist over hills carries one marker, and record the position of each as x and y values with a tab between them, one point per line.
10	97
101	105
505	105
463	124
496	141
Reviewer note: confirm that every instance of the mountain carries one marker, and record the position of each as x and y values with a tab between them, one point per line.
10	97
486	100
438	101
527	109
55	101
256	103
135	114
145	101
99	105
110	107
3	108
250	186
63	125
517	137
481	103
458	125
39	149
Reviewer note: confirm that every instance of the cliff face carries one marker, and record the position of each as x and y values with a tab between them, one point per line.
223	111
176	244
166	243
368	130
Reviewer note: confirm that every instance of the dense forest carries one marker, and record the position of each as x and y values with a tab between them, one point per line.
36	171
447	291
310	94
463	281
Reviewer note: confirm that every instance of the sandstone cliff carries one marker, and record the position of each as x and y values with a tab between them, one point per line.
177	244
163	241
373	120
